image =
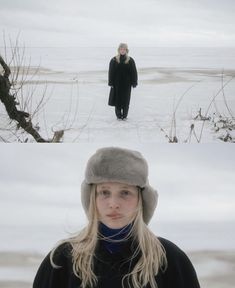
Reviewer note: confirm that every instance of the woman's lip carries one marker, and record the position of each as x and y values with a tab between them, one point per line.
114	216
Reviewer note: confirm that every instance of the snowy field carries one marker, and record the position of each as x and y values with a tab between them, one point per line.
172	81
40	204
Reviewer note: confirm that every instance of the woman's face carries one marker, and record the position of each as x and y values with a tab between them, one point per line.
122	50
116	203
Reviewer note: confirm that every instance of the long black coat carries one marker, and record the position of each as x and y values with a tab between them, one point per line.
122	76
110	268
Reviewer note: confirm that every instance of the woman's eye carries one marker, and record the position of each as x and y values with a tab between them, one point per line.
104	193
125	193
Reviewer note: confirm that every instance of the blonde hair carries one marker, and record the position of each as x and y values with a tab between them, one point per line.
152	253
123	45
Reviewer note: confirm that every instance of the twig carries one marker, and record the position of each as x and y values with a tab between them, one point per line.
225	100
209	106
173	138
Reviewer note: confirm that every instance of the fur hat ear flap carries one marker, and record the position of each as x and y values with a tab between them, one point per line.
114	164
149	200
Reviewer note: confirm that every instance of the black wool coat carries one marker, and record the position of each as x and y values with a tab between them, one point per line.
110	268
121	77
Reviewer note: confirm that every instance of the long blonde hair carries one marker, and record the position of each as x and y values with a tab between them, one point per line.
152	259
123	45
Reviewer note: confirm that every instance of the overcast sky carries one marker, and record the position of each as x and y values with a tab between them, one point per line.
108	22
195	182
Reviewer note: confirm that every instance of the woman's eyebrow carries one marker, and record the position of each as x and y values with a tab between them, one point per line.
104	186
126	187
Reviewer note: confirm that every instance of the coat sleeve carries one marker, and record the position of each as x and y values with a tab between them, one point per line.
49	277
111	72
180	272
134	74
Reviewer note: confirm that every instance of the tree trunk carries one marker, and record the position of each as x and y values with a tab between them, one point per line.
21	117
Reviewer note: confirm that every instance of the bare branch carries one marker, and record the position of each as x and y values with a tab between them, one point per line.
212	100
21	117
223	93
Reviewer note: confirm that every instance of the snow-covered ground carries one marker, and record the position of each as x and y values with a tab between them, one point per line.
76	81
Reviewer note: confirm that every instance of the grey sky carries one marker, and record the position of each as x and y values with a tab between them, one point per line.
195	182
106	23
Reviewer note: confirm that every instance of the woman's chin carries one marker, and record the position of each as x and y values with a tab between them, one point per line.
115	224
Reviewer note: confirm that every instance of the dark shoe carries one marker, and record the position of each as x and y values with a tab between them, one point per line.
125	112
118	113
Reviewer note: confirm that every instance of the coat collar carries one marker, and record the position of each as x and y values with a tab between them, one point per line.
126	253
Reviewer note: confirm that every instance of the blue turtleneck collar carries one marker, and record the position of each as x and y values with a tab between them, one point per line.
113	234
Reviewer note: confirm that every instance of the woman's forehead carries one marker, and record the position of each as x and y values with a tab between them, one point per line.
114	184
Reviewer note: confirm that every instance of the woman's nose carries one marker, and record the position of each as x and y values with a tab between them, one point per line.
114	202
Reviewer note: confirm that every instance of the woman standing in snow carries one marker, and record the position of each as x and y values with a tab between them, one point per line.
122	76
117	249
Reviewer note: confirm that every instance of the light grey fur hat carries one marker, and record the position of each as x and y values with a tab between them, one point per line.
114	164
123	45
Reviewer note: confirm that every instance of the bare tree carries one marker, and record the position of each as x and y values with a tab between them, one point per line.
9	101
18	106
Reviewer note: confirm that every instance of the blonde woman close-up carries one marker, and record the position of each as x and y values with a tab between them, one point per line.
117	249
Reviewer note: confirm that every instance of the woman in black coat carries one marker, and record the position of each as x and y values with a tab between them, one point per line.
122	76
117	249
